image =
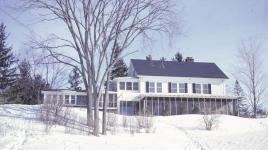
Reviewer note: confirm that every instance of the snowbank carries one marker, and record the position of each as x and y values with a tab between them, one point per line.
20	128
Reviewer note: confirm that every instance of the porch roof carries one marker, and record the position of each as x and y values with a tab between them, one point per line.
190	96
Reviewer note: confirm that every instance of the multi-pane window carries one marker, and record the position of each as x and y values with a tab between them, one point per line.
135	86
129	86
81	100
198	88
73	99
173	87
122	85
112	86
66	99
182	88
159	87
205	88
151	87
112	100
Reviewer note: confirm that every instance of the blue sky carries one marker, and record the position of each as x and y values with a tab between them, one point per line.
212	30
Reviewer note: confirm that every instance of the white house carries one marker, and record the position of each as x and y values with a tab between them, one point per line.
160	87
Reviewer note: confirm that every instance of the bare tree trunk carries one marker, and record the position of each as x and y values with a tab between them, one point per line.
255	104
96	115
89	107
105	102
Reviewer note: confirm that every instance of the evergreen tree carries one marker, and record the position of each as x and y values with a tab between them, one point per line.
242	106
7	61
75	80
120	68
178	57
28	87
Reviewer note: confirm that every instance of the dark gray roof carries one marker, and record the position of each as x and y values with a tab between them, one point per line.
177	69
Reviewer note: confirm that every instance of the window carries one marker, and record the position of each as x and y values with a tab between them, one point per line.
173	87
159	87
81	100
73	99
129	86
66	99
122	85
135	86
206	89
183	87
60	101
151	87
198	88
112	86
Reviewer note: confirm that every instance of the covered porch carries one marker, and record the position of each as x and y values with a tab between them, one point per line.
163	105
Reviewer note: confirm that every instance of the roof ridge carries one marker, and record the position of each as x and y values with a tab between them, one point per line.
171	61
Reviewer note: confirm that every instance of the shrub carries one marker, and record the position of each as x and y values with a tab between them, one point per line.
112	122
210	121
145	122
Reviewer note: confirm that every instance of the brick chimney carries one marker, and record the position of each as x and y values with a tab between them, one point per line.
149	58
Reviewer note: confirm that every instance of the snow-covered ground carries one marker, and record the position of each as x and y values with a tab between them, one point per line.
20	129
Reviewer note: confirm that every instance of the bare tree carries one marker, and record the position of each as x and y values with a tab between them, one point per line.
55	74
96	27
250	73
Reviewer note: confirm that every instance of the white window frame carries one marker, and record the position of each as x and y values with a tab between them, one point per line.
122	84
151	87
136	87
182	88
159	87
127	86
205	90
173	87
67	99
73	99
198	90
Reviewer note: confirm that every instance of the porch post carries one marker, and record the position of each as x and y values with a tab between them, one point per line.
221	103
193	103
152	103
144	107
158	106
164	99
228	112
126	108
139	111
187	106
176	106
227	106
169	106
198	105
216	105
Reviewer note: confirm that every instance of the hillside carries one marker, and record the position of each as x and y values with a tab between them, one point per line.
20	129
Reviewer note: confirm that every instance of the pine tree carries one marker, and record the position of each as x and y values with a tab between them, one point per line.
75	80
242	106
7	61
28	87
120	68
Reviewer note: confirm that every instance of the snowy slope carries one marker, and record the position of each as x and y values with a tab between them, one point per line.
20	129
